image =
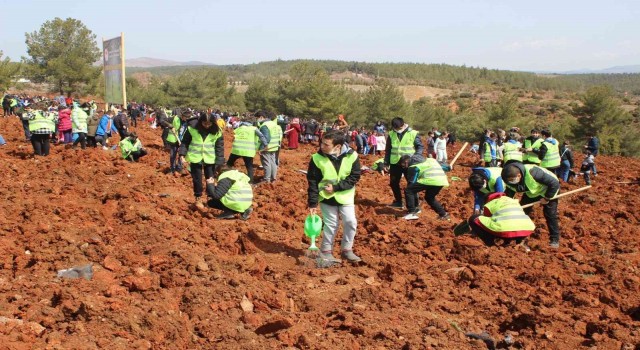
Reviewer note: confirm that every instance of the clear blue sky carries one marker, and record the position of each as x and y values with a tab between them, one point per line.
522	35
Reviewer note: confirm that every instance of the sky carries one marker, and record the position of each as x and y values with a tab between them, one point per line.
536	35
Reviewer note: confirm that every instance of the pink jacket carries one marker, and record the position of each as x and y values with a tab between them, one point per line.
372	140
64	120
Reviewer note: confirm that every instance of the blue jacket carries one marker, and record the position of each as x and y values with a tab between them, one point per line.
478	197
102	127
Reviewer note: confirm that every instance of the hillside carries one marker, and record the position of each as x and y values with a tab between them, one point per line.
166	276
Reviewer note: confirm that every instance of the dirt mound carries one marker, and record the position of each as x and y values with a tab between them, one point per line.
165	276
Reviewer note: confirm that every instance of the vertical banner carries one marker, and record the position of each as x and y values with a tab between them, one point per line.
114	74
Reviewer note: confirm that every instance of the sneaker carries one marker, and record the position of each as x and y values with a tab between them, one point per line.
555	244
411	216
246	214
328	257
350	256
417	211
396	205
445	217
226	215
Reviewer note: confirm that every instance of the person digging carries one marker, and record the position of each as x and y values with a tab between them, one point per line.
232	193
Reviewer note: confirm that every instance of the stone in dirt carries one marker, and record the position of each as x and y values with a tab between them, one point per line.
330	278
246	304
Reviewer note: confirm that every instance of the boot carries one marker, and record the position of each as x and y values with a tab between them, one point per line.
227	214
350	256
246	214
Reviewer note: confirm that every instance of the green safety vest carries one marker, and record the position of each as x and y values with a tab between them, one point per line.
79	120
13	103
329	176
534	188
275	132
244	141
552	157
511	151
378	164
42	122
487	152
126	147
240	195
202	150
506	215
401	147
176	123
431	173
530	156
495	172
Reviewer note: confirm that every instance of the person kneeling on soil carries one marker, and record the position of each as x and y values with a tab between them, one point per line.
502	218
131	148
232	194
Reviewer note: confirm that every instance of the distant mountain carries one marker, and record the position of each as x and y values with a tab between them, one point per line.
148	62
611	70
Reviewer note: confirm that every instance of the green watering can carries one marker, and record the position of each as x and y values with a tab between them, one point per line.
312	229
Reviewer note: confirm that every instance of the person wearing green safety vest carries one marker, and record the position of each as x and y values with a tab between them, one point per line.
131	148
424	175
378	166
267	121
232	193
549	152
402	140
247	140
203	147
79	119
41	125
512	149
332	176
503	218
530	144
490	155
484	181
536	183
176	131
164	119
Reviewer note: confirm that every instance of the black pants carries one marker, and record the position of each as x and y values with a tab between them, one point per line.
91	141
135	155
395	173
123	133
550	212
196	176
412	193
165	133
217	204
25	127
491	164
40	144
486	237
82	139
248	163
134	121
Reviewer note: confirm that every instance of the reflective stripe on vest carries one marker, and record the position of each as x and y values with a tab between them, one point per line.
41	122
240	195
552	157
202	150
329	176
530	156
176	123
275	134
512	151
534	188
402	147
487	151
495	174
506	215
431	173
244	141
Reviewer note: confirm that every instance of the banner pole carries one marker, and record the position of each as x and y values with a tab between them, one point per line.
124	80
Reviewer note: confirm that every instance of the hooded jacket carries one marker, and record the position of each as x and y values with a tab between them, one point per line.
552	183
314	176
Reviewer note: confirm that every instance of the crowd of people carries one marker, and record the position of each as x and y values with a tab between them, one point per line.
533	166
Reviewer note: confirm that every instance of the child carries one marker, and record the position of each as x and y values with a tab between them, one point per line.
588	163
441	148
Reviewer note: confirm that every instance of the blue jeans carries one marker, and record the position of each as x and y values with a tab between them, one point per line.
563	171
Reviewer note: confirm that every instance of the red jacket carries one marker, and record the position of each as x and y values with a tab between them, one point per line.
64	119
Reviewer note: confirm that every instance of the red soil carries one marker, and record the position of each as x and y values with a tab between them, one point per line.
166	276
